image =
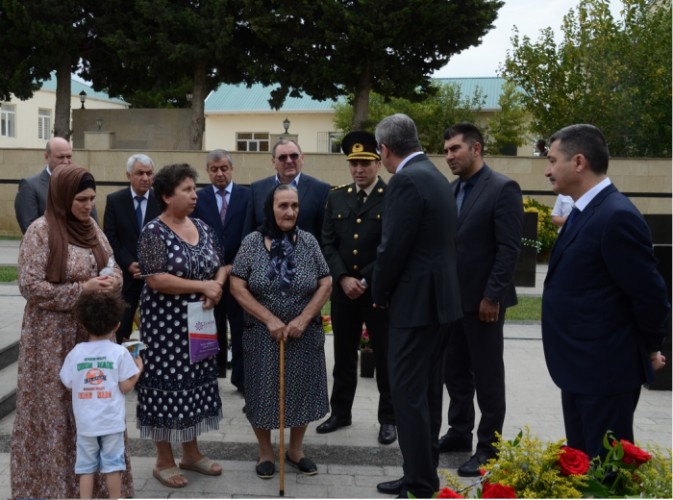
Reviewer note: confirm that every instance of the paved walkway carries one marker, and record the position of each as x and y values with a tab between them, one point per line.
350	461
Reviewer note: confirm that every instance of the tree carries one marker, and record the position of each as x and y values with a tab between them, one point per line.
157	51
613	74
329	48
38	38
432	116
508	126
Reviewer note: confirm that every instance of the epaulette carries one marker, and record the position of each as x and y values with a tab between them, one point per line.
341	187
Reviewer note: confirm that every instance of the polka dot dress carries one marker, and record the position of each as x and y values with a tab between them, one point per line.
305	373
177	400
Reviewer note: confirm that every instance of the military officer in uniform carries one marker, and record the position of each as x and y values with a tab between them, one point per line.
350	235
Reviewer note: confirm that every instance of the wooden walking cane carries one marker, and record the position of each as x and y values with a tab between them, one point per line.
281	475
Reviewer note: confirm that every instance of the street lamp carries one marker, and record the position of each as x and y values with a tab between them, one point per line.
99	123
82	98
286	125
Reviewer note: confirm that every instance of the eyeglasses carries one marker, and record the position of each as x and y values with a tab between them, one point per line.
293	157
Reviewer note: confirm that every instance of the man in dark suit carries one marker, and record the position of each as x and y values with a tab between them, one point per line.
126	212
31	199
351	233
605	310
488	242
288	160
415	277
222	206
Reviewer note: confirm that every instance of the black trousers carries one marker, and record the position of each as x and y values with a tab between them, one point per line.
474	362
588	417
228	310
415	365
347	319
131	290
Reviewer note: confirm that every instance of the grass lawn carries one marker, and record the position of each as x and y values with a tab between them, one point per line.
528	309
8	274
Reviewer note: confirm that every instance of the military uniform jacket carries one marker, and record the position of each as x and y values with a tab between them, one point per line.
351	235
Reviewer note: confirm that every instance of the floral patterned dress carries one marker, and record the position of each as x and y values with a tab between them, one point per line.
305	372
43	442
177	400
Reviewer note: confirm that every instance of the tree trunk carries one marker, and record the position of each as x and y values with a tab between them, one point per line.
361	101
197	125
63	96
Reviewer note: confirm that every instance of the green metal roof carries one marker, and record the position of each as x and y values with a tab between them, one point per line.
76	87
238	98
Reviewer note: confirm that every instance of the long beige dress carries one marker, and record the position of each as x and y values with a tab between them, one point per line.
43	443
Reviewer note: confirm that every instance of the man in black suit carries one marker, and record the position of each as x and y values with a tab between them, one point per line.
605	309
488	242
31	199
415	278
126	212
350	235
223	206
288	160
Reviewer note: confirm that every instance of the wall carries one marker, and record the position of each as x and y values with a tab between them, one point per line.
645	179
27	117
135	129
221	129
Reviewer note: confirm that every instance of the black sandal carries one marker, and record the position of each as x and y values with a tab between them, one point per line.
265	470
305	465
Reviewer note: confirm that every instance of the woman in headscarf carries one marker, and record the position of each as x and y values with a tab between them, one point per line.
62	254
281	280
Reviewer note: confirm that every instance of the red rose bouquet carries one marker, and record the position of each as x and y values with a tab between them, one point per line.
527	467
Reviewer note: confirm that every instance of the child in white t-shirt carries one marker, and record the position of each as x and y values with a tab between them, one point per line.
99	372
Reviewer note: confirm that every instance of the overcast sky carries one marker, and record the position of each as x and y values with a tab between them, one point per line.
530	16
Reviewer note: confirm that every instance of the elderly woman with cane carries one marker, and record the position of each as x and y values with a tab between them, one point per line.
281	280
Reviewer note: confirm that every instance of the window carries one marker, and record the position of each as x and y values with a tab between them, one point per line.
8	120
252	141
329	142
44	124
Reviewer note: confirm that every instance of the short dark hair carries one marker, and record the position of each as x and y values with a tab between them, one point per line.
99	312
471	134
170	177
586	140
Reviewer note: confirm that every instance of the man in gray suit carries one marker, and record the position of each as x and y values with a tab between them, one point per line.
415	277
31	200
488	241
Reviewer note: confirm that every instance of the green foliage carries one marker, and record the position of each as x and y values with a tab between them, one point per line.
508	126
615	74
432	115
355	48
546	230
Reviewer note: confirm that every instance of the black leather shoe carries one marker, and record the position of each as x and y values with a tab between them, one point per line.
332	424
449	443
387	434
391	487
472	467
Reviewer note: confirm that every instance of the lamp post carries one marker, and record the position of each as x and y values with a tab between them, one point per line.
99	123
286	125
82	98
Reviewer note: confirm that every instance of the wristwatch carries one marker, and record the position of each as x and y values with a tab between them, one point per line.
495	302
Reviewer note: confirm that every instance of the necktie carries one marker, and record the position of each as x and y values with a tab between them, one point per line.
571	217
223	209
460	197
139	211
362	194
